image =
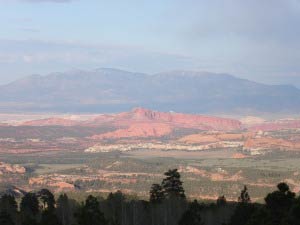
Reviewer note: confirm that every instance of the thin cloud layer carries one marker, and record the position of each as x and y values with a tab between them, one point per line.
44	56
253	39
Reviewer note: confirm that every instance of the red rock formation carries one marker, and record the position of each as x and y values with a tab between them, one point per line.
145	123
173	119
9	168
138	130
271	143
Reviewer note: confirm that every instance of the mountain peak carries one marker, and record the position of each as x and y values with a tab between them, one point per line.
114	90
144	113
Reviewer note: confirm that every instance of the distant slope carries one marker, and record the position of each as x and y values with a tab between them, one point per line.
110	90
146	119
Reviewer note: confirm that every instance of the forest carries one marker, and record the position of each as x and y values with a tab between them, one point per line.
167	205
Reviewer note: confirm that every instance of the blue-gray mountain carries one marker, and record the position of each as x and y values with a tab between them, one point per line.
111	90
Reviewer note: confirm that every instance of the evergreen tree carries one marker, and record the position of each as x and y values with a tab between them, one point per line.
193	215
242	214
47	198
172	185
8	205
115	208
244	209
48	217
29	221
63	209
221	200
5	219
156	193
279	203
244	197
260	216
89	213
294	213
29	205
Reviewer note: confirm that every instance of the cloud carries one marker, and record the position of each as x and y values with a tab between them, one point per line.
23	57
254	19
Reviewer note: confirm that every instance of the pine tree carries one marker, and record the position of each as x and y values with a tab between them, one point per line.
221	200
29	205
47	199
156	193
89	213
172	185
193	215
115	206
9	205
5	219
63	209
48	217
244	197
279	202
244	209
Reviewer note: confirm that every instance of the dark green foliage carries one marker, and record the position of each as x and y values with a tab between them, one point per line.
6	219
279	202
29	205
172	185
221	201
294	213
47	198
281	208
156	193
193	215
89	213
48	217
64	209
9	205
244	197
167	206
29	209
115	205
244	209
29	221
260	216
242	214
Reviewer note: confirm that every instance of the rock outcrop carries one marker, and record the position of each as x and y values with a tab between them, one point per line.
141	130
6	168
142	122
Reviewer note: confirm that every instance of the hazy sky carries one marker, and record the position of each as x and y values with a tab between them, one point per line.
254	39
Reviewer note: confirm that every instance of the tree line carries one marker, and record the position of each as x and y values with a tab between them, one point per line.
167	205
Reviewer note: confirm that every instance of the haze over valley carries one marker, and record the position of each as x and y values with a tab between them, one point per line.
120	150
143	112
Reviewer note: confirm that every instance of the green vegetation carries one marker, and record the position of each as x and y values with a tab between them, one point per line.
167	206
217	176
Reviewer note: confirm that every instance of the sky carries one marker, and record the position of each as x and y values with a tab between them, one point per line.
252	39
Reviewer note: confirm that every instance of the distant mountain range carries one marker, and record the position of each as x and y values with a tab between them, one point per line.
111	90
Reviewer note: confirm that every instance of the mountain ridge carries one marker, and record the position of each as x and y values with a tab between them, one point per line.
113	90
